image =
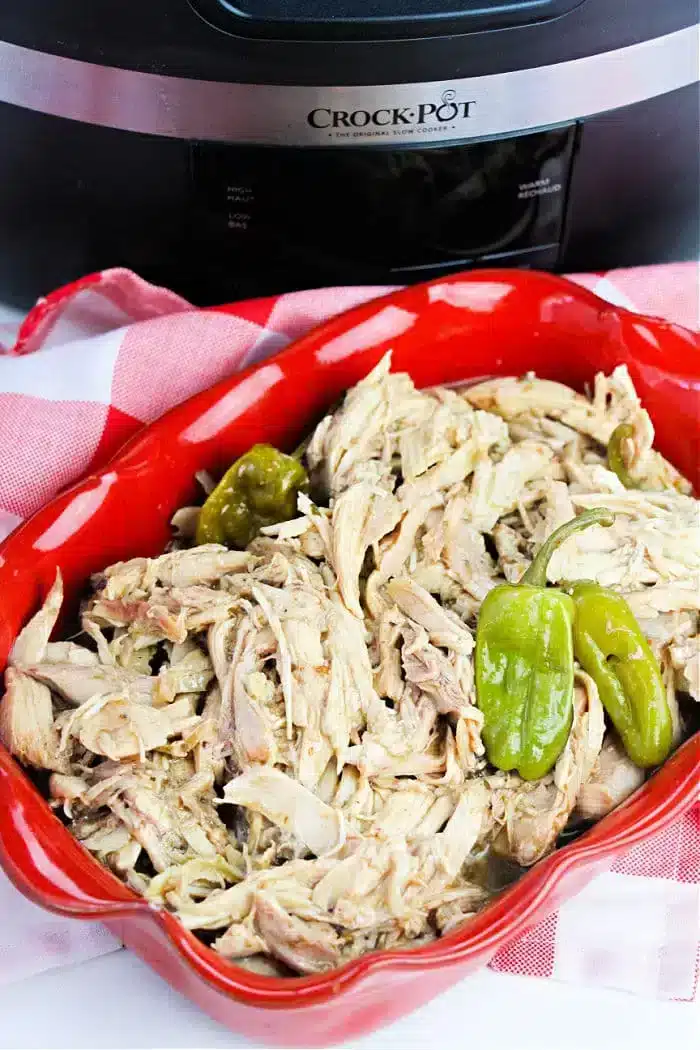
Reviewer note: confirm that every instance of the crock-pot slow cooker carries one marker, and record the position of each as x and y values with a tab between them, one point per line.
232	149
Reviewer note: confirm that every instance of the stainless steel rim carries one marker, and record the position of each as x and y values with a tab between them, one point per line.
384	114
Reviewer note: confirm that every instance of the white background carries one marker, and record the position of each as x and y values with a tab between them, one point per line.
116	1001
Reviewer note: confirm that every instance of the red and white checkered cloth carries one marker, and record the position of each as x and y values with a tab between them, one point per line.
94	361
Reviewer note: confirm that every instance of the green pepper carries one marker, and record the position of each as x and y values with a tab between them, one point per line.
610	646
619	451
525	663
260	489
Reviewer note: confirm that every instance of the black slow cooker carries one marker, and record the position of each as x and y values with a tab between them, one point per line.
230	149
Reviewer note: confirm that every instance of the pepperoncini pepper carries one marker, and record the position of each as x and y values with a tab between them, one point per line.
525	663
610	646
619	454
260	489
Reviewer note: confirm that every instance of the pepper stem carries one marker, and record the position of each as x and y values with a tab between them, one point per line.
536	574
301	448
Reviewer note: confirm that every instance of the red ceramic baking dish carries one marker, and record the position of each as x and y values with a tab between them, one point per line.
464	326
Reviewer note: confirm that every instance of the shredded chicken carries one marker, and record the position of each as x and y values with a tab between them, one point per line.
27	726
613	779
32	641
531	815
283	745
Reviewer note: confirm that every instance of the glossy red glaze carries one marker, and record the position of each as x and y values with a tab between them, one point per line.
495	322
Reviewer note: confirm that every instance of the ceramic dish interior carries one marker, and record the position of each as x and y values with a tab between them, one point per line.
454	329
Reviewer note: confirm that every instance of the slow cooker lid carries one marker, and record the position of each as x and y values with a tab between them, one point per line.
378	19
